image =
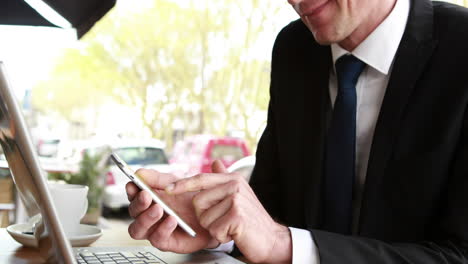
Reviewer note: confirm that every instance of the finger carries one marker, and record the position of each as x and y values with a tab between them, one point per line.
208	198
218	167
156	179
131	190
199	182
161	235
142	224
223	228
215	212
141	202
229	225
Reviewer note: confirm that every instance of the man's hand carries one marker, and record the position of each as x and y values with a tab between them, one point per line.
151	223
227	207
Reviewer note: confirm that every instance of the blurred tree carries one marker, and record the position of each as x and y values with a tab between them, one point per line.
245	77
195	63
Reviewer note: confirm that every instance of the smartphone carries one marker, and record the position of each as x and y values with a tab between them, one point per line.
143	186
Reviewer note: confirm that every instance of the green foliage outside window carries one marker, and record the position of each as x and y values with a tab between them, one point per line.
195	63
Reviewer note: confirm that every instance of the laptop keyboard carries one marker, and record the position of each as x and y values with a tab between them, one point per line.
117	257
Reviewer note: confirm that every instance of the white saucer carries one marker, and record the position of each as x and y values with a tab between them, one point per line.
87	235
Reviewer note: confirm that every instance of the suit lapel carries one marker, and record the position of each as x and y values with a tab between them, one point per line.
415	49
317	112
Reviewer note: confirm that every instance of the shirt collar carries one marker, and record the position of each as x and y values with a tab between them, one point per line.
379	48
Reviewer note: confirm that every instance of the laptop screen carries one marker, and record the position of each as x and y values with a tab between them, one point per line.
29	178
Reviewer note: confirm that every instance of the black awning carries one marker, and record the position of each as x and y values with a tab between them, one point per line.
82	14
18	12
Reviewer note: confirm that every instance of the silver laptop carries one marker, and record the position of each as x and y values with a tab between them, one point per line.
30	181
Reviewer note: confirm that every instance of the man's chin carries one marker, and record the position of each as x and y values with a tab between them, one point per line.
323	40
324	37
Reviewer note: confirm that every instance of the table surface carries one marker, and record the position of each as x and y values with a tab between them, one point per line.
13	252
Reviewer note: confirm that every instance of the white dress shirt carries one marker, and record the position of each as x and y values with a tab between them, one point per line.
377	51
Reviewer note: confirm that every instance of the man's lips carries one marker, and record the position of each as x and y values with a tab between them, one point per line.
312	11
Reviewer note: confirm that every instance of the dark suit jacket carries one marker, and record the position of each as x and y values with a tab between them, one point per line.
415	200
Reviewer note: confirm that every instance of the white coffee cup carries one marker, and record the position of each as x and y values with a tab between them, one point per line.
71	203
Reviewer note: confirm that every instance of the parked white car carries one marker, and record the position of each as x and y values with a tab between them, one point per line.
70	153
147	153
47	147
137	154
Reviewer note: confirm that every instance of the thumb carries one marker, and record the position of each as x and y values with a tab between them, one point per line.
218	167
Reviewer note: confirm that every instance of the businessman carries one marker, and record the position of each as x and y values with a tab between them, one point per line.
365	155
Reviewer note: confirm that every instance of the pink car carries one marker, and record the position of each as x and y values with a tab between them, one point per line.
196	153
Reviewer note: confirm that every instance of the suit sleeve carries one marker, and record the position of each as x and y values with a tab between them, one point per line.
335	248
266	171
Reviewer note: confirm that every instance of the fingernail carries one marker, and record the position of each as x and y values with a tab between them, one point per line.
170	187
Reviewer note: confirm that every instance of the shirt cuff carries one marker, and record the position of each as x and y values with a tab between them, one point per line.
226	247
304	248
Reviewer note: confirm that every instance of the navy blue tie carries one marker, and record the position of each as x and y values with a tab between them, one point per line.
341	148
